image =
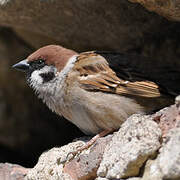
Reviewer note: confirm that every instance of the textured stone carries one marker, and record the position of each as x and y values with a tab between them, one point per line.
55	163
151	171
133	178
100	178
167	8
169	158
12	172
167	119
50	164
84	167
167	163
137	140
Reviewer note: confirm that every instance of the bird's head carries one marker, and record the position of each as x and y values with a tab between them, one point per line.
43	66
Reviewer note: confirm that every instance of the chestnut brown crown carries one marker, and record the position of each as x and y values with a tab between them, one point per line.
52	55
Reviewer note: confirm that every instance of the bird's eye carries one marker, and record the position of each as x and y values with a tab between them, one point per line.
40	61
37	64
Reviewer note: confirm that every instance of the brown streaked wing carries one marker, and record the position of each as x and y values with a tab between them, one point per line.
96	75
139	88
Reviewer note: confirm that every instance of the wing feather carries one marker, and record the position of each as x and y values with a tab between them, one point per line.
96	75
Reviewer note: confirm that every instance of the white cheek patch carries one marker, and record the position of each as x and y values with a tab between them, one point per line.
36	78
50	91
47	69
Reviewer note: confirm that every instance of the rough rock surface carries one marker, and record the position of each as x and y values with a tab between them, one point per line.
169	8
167	119
137	140
85	166
169	158
12	172
57	163
50	164
151	171
166	165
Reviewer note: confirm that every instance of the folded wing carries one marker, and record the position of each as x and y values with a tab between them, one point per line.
96	75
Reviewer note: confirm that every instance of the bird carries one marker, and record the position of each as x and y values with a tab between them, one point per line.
98	90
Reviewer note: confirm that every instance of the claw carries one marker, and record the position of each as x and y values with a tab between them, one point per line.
88	144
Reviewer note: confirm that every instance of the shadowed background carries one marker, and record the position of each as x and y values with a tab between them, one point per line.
27	127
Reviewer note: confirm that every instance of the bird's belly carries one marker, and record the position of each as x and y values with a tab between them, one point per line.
98	113
83	121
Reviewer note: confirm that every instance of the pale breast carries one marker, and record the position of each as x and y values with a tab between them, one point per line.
93	112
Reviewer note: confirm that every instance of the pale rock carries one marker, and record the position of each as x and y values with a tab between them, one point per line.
167	163
152	171
169	158
100	178
132	178
137	140
51	163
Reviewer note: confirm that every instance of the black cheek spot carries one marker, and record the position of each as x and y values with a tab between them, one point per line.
47	76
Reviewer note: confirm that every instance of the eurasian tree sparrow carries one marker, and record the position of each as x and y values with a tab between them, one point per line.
97	91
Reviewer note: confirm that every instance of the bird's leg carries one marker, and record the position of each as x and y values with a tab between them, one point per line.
94	139
90	142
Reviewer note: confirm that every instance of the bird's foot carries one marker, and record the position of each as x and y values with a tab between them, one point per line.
88	144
